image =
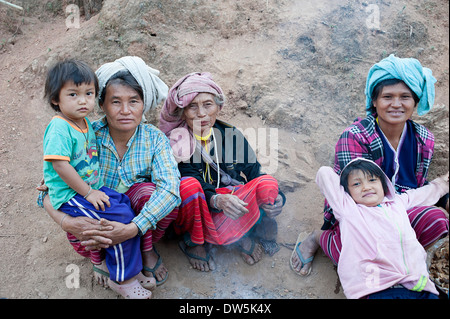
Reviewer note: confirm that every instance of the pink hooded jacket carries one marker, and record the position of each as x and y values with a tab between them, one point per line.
379	246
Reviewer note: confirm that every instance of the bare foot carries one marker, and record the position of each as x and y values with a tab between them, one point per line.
101	274
307	248
251	251
150	260
198	257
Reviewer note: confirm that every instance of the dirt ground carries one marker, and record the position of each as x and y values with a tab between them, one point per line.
298	67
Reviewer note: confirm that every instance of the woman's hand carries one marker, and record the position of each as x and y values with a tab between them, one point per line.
231	205
273	210
78	226
115	231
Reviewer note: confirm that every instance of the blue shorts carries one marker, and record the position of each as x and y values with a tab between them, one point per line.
123	260
402	293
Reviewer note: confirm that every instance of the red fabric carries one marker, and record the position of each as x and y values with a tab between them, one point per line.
96	256
204	226
139	194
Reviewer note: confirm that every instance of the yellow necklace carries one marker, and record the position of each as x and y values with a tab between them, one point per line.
205	139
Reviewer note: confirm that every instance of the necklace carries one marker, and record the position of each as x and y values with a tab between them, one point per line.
86	144
207	172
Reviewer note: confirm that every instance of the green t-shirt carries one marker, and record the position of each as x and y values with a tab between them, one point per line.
64	141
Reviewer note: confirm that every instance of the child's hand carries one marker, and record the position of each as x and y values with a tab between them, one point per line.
42	187
442	181
445	177
98	199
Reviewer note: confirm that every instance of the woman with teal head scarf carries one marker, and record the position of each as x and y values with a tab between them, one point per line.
388	136
419	80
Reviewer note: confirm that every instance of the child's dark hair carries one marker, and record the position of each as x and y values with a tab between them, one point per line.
64	71
368	168
124	78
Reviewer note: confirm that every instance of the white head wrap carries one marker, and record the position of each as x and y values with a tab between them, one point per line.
154	89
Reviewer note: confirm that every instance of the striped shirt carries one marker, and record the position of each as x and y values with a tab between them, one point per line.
148	159
361	139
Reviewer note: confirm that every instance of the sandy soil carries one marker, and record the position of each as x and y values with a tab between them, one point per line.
293	66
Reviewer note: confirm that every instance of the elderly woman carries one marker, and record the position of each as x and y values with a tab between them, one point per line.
395	87
135	159
224	194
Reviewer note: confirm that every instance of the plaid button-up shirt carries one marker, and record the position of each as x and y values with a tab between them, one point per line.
148	159
361	139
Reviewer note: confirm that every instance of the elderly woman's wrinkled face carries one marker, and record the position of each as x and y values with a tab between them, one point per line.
395	104
201	114
123	107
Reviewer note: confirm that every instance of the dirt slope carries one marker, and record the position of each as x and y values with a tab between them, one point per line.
295	66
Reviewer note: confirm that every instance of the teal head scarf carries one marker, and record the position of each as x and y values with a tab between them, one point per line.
419	79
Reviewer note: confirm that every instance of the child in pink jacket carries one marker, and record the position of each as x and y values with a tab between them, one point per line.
380	257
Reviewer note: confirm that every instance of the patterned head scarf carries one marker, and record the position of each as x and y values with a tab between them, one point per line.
181	95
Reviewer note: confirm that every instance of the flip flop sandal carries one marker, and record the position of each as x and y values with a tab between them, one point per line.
132	290
182	246
146	282
152	270
304	261
102	273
